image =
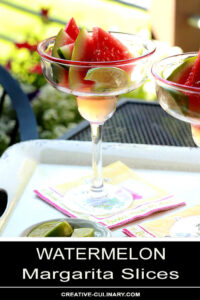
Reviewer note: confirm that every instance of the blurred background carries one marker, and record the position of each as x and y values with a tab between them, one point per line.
173	24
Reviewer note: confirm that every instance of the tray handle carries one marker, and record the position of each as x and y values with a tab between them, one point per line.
3	201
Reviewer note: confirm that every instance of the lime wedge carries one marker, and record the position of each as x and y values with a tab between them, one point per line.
83	232
52	229
107	78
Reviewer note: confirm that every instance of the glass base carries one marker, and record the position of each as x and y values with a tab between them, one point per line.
112	200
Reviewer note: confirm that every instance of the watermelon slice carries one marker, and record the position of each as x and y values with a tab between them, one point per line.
83	48
60	74
194	75
72	29
79	45
194	80
62	39
181	73
66	37
188	73
107	47
65	51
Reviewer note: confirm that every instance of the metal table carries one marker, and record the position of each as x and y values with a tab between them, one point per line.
140	122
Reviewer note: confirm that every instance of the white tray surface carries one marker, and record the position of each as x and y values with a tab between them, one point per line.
26	166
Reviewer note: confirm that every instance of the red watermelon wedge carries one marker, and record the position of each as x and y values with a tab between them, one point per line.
79	45
60	74
194	75
72	29
107	47
194	80
61	39
82	51
188	73
64	37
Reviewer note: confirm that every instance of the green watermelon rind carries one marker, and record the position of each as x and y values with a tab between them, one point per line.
177	73
180	99
75	79
58	71
176	100
59	42
65	52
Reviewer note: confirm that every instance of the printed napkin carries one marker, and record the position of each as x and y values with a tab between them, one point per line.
185	223
146	197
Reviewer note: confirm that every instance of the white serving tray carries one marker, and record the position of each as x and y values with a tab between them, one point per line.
27	165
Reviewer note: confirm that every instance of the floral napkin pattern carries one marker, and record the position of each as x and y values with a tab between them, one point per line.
183	224
146	197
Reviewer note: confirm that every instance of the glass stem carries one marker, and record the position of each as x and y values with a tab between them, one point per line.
97	179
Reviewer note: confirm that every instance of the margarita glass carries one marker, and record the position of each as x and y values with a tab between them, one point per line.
97	103
179	100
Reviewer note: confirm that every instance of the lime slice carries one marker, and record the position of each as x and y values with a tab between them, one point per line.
83	232
107	78
52	229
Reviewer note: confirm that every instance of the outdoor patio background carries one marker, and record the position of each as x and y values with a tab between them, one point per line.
18	23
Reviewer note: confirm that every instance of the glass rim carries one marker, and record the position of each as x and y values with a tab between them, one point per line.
93	63
180	86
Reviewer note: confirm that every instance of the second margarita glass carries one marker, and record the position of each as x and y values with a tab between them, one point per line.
179	100
96	101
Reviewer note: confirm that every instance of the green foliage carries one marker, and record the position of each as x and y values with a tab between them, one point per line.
23	61
144	92
56	112
7	124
